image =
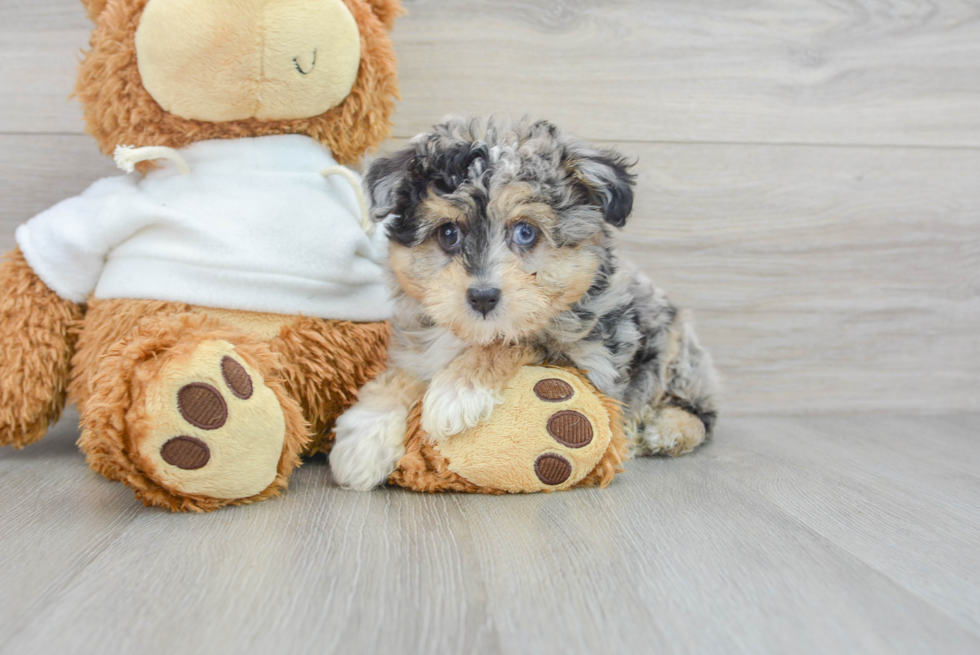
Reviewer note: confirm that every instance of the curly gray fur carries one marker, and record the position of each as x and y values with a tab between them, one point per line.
634	344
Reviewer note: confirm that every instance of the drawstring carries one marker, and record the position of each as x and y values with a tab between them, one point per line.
127	157
366	223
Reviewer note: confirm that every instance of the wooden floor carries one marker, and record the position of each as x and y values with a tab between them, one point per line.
784	535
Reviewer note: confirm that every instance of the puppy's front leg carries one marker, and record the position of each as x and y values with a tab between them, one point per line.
370	436
464	394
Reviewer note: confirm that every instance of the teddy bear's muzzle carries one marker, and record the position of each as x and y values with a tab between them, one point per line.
231	60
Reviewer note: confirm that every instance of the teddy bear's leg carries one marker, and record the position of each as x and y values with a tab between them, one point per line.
682	415
36	343
326	363
192	415
371	435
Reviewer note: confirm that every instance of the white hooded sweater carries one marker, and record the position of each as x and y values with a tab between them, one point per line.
253	226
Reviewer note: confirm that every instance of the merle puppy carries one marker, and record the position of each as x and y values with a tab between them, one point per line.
502	254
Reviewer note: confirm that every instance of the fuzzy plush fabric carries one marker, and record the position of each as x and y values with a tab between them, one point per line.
106	324
36	347
387	11
138	359
155	236
212	426
328	362
501	454
120	111
115	417
278	60
324	363
314	367
94	7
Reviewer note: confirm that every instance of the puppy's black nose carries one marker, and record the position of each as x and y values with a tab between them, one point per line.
483	300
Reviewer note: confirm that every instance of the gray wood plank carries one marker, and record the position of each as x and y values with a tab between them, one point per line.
741	548
827	279
39	171
320	571
806	71
40	44
823	279
57	516
684	557
943	440
861	484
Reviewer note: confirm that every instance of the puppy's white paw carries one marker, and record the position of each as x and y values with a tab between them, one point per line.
369	444
452	405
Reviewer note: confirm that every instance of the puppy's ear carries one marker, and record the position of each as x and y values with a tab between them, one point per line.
388	185
606	176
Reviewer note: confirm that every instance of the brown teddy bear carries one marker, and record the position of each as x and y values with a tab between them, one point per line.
212	316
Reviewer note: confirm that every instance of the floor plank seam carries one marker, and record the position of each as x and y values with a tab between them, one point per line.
765	144
405	136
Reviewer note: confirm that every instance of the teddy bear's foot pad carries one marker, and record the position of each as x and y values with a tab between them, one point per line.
539	439
214	427
186	453
552	469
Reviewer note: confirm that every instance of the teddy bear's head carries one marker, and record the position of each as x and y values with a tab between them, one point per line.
172	72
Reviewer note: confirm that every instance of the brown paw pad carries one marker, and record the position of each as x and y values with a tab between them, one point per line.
214	427
236	378
571	429
552	469
549	433
202	406
186	453
553	390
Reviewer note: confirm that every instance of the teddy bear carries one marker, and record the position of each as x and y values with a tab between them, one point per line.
212	313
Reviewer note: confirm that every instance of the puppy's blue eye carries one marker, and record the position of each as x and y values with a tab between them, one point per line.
450	237
525	234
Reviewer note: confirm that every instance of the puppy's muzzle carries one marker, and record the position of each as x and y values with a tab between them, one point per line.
483	300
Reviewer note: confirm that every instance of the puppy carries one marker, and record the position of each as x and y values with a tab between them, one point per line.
502	255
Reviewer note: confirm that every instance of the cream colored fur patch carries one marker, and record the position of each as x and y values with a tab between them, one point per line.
244	451
265	326
229	60
516	447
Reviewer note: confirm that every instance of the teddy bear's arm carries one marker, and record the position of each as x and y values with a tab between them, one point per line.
67	245
44	283
36	344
